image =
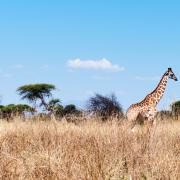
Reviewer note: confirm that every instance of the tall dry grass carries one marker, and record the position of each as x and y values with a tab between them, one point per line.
88	150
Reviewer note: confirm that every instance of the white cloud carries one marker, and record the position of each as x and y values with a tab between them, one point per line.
18	66
102	64
145	78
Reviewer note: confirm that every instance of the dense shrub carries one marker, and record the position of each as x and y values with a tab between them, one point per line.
176	108
105	106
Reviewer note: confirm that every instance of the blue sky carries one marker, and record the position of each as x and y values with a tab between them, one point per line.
89	46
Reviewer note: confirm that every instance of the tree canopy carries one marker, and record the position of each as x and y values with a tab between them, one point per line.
12	109
34	92
71	110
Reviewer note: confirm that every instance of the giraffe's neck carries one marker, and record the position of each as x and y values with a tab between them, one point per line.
157	94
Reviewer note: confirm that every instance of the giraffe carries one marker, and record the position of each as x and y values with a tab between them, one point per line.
147	107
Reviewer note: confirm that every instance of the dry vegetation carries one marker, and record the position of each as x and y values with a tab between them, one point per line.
88	150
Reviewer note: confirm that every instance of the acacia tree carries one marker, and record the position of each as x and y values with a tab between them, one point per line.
21	109
56	107
37	92
6	112
53	103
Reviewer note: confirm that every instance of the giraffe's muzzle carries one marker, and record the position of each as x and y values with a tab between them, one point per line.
173	77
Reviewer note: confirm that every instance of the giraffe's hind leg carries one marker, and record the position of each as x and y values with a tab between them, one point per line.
132	115
138	122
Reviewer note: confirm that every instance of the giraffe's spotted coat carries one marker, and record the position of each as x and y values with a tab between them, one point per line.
147	107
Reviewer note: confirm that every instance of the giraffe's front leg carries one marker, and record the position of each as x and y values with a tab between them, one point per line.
151	115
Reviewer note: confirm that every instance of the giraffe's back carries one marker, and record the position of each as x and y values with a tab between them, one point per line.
134	110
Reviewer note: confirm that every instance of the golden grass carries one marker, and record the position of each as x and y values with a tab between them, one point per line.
88	150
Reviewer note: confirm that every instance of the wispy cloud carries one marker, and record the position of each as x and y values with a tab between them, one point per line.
102	64
5	75
44	67
89	93
18	66
147	78
98	77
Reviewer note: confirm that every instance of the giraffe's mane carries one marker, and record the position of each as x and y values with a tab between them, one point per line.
165	74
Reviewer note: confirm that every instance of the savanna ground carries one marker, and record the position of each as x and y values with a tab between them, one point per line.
89	150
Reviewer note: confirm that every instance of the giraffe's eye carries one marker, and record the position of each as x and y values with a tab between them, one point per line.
171	75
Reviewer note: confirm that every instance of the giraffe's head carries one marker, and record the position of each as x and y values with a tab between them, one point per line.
171	75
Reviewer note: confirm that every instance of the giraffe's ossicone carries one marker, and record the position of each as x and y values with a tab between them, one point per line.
147	107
